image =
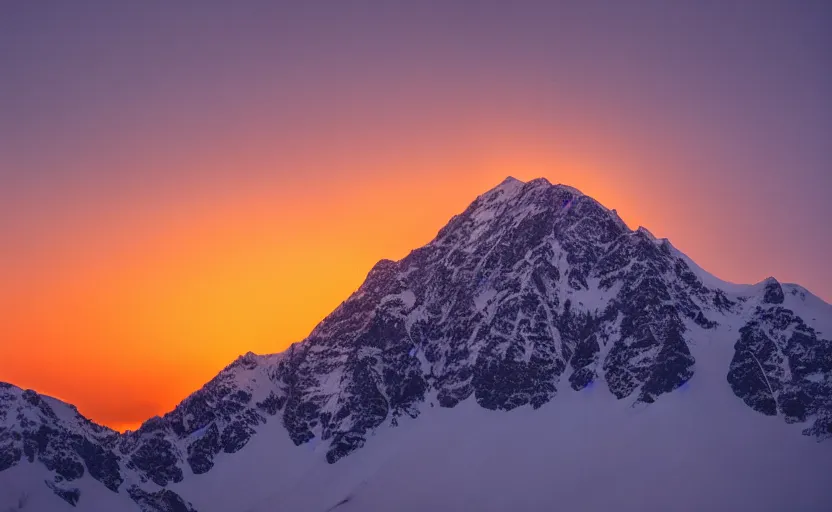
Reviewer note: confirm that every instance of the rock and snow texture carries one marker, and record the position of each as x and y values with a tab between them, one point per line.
622	364
782	365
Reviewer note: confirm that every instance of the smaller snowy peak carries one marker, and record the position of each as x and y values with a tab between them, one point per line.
248	361
41	409
613	213
539	182
646	232
38	427
249	358
662	243
773	292
382	266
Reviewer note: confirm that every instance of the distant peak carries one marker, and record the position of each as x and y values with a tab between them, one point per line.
537	182
773	293
646	232
510	180
248	360
572	190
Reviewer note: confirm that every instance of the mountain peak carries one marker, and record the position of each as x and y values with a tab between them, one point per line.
646	232
506	190
512	187
533	297
539	182
773	291
572	190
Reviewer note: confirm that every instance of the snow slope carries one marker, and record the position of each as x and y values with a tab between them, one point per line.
693	450
23	485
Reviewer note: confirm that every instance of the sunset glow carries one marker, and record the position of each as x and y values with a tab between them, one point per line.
163	216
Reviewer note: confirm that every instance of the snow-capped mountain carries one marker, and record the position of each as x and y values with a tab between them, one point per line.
537	352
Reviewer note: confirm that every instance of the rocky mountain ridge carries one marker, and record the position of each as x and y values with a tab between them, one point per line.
534	290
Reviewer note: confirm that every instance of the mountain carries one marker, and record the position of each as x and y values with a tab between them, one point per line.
537	354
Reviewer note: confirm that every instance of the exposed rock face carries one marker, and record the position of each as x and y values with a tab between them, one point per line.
220	417
773	292
68	444
532	290
70	495
781	366
38	429
494	308
159	501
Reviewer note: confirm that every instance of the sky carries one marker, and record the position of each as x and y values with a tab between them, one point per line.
182	182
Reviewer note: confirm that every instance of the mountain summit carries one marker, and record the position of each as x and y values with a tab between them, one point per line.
536	354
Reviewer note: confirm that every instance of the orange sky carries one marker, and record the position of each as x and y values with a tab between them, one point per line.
124	314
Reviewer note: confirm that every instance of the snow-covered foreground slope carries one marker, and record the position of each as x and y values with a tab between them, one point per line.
23	487
587	452
696	449
536	355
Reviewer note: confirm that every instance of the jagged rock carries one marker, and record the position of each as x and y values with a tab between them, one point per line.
157	460
70	495
201	452
159	501
773	292
781	366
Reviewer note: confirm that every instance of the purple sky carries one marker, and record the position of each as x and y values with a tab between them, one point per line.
722	106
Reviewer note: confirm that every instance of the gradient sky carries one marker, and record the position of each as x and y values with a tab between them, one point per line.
181	182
